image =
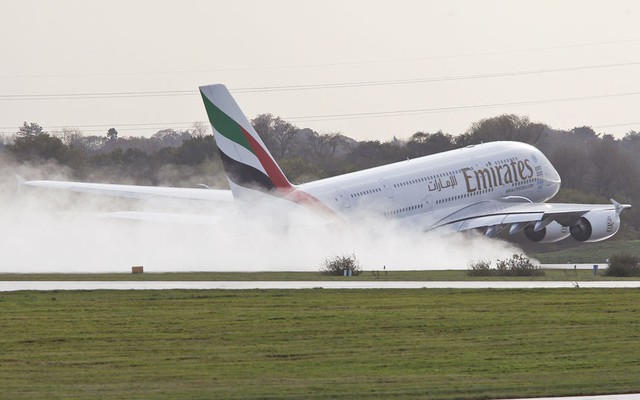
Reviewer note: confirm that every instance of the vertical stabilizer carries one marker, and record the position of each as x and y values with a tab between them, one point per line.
246	160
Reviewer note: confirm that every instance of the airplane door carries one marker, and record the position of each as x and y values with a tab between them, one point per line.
428	203
343	198
388	190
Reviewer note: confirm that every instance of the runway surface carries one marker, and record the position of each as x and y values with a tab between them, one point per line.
605	397
8	286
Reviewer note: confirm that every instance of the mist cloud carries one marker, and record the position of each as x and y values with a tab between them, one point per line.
57	232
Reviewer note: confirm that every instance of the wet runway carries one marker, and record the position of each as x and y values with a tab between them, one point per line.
8	286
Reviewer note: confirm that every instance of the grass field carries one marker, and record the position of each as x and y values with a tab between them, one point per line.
591	252
440	344
568	274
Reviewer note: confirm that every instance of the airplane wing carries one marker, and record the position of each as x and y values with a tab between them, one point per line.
518	215
173	218
135	192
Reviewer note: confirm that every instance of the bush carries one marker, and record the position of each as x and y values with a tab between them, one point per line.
623	265
337	265
481	268
517	265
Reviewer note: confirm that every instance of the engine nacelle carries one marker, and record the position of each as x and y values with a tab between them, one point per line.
595	226
550	233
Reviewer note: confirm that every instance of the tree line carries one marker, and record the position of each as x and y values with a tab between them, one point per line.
593	166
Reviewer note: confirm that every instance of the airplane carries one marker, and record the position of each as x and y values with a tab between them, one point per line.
492	186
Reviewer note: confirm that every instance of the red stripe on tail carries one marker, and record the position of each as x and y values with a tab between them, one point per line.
273	171
281	182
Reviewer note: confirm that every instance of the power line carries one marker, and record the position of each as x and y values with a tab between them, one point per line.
324	65
376	114
615	125
373	114
426	80
339	85
96	95
128	126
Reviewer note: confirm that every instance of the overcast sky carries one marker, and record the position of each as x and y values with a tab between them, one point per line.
401	66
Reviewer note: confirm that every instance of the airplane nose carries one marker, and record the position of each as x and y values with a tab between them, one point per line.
551	176
552	181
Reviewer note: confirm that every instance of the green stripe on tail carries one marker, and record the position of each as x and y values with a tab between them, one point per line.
225	125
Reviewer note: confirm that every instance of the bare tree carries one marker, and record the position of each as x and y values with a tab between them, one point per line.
69	136
285	134
262	124
277	133
199	129
324	144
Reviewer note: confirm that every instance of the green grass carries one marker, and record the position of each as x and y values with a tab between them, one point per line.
568	274
440	344
590	252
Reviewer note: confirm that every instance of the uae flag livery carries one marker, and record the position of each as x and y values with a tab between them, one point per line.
246	160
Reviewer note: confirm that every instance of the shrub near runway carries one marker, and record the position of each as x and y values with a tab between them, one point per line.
319	343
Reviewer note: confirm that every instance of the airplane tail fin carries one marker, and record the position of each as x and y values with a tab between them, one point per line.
246	160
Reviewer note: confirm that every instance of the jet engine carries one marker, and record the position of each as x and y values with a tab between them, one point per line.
550	233
595	226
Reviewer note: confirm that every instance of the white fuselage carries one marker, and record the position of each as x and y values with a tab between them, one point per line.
430	188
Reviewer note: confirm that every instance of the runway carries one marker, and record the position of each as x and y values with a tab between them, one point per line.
603	397
9	286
